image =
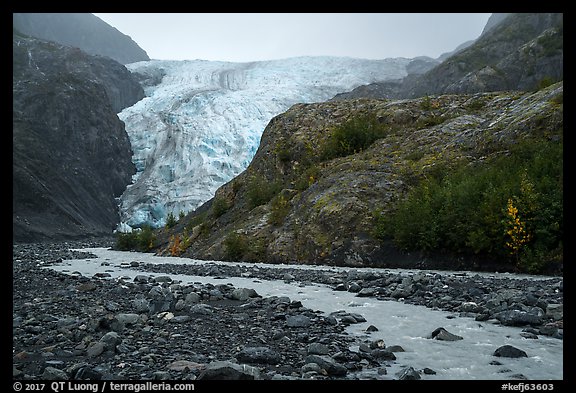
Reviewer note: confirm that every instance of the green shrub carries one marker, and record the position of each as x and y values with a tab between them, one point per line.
353	136
260	191
142	240
219	207
307	178
468	209
280	209
235	246
170	220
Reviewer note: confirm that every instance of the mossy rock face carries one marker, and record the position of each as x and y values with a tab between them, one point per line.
329	205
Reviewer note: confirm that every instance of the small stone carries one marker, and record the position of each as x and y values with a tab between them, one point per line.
508	351
371	329
183	365
298	321
263	355
225	370
86	287
161	279
428	371
95	349
444	335
243	294
54	374
318	349
377	344
408	374
396	348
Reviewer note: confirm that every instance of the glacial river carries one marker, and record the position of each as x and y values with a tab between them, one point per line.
398	323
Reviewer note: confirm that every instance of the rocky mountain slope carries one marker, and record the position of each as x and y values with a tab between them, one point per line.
299	202
71	154
515	52
81	30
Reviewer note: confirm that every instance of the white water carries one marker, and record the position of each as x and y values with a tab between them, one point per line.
398	323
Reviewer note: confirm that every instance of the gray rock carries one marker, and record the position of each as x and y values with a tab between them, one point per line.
312	367
444	335
226	370
318	349
519	318
262	355
408	374
298	321
54	374
203	309
111	340
508	351
328	364
367	292
555	311
95	349
161	375
127	319
161	279
377	344
383	354
395	348
192	298
243	294
140	305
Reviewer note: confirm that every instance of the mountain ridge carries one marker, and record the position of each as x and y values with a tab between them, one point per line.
517	52
71	154
82	30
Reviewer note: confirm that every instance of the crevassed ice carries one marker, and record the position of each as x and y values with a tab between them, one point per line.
201	126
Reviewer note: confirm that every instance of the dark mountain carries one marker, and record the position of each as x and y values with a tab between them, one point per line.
494	20
518	53
84	31
71	153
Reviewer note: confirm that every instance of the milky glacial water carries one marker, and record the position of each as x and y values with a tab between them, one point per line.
398	323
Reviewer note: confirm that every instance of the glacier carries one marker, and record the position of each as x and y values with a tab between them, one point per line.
201	121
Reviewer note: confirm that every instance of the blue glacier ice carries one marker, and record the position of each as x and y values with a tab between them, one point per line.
201	125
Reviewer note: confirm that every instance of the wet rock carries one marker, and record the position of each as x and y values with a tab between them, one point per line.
328	364
519	318
383	354
444	335
408	374
508	351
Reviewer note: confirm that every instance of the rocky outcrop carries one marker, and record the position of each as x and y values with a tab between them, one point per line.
292	204
519	53
84	31
71	154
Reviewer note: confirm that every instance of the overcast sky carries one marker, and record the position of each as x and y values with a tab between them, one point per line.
250	37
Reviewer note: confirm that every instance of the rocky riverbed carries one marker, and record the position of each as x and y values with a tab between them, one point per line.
151	326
